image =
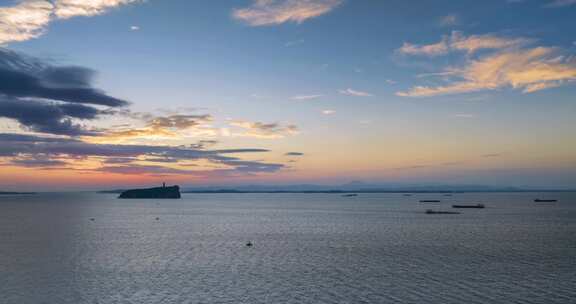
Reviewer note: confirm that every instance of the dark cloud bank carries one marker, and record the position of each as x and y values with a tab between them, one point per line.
49	99
294	154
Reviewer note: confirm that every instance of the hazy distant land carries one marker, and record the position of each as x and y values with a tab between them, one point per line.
16	193
354	188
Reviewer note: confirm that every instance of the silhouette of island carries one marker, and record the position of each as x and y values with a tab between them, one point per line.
158	192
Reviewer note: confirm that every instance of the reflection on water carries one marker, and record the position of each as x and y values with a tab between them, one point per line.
307	248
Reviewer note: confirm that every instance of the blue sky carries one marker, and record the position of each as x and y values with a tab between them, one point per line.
381	91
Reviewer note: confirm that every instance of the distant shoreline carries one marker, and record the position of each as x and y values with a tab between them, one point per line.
17	193
365	191
377	191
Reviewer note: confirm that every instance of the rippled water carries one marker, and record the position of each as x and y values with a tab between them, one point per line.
308	248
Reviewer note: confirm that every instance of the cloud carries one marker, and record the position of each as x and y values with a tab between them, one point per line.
48	117
560	3
351	92
21	138
36	151
185	126
23	76
202	144
65	9
474	43
294	154
264	130
306	97
120	160
180	122
123	135
551	3
37	163
529	70
29	18
457	41
49	99
492	155
160	126
74	148
294	43
236	168
134	28
273	12
436	49
328	112
24	21
449	20
242	166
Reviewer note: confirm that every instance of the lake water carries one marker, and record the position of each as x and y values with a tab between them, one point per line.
308	248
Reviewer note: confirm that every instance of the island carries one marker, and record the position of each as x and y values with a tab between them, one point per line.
163	192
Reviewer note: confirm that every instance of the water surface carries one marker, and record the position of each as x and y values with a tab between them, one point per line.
308	248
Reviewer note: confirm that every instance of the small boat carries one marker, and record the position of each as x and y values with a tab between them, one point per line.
477	206
545	200
430	201
407	194
249	244
430	211
447	194
350	195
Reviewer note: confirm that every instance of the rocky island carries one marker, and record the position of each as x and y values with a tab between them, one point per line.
163	192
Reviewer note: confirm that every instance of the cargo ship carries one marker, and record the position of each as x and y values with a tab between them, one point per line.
477	206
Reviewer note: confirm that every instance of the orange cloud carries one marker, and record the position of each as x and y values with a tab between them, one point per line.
457	41
528	70
263	130
162	127
510	64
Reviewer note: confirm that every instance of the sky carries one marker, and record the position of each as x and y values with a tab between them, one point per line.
98	94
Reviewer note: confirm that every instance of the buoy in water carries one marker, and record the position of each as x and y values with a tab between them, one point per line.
249	244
